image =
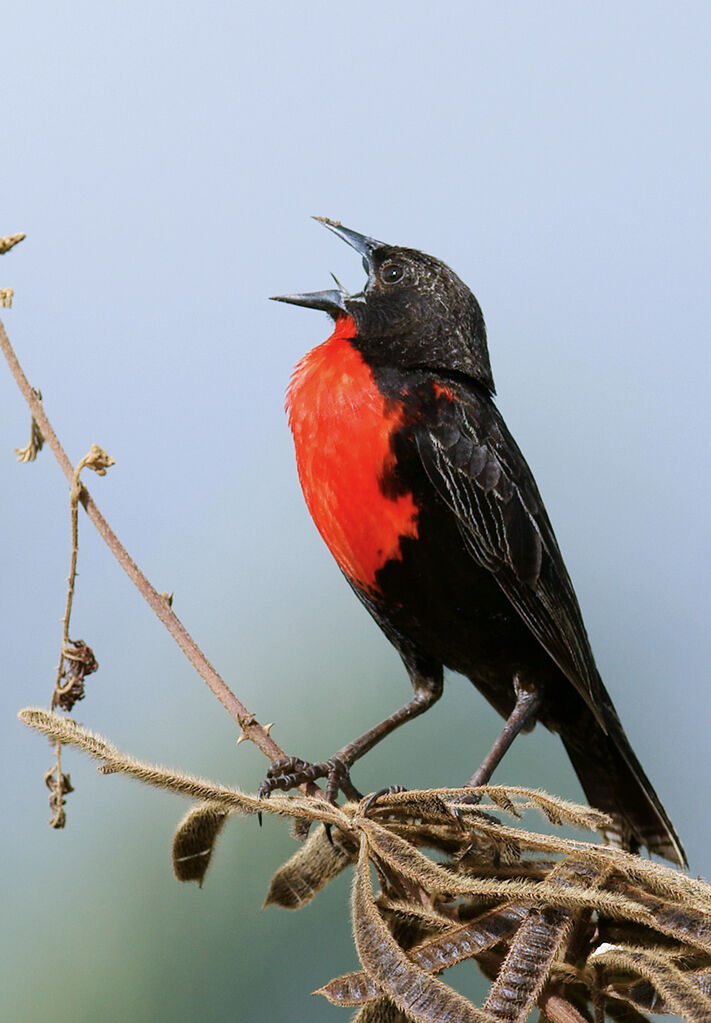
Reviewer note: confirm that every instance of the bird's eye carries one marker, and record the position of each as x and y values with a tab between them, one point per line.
391	273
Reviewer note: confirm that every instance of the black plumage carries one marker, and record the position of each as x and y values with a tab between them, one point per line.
482	587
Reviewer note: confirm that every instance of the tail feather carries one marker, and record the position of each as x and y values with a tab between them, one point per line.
613	780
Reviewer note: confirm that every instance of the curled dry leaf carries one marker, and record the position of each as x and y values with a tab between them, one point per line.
310	869
9	241
436	954
567	924
194	841
686	923
528	963
423	998
31	450
97	459
78	661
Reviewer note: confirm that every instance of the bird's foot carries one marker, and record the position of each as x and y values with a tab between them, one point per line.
290	772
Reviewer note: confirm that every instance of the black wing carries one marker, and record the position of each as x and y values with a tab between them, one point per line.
476	467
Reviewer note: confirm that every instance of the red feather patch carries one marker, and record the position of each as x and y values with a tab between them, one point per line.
342	427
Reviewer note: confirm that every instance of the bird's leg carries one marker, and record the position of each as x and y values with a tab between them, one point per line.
528	700
426	693
290	772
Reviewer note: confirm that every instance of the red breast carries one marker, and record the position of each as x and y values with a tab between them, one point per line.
342	427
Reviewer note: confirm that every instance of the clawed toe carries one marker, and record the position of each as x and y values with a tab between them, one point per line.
286	773
389	790
290	772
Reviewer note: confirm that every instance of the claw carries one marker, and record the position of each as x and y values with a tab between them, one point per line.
456	813
290	772
327	828
389	790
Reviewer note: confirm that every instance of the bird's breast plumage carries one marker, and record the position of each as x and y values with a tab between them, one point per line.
343	428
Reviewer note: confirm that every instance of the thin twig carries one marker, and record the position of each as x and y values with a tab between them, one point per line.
235	708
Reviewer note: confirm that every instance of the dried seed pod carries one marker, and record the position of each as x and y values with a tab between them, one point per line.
194	841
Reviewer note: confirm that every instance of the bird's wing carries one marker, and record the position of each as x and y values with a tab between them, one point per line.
476	467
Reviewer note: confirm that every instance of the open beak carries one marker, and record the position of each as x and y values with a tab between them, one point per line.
334	301
360	242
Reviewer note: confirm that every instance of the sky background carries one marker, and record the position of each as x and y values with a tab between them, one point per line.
164	162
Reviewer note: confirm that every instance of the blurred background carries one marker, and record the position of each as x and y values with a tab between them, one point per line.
164	161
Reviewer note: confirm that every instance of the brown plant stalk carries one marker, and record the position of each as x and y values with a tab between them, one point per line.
555	922
247	722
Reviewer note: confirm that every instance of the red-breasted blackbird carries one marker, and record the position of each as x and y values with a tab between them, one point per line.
429	508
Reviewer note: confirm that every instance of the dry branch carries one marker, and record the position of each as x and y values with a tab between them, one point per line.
557	923
247	722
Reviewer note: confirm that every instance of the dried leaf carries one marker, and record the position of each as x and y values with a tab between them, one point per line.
78	661
97	459
434	955
8	241
501	798
414	808
310	869
420	996
687	924
418	869
428	917
431	914
355	988
469	939
36	443
194	841
557	810
412	864
527	965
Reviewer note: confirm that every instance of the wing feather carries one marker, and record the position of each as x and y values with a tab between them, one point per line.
476	467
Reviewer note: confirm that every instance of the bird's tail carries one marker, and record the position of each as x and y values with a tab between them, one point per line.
614	781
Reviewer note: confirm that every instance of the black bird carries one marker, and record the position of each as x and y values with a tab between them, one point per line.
434	517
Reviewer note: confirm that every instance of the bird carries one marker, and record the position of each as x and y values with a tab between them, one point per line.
431	512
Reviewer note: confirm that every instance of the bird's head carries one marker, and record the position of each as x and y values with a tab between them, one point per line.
413	312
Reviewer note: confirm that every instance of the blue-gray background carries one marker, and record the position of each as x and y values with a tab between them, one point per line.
164	159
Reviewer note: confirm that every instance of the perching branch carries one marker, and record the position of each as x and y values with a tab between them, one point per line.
555	923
